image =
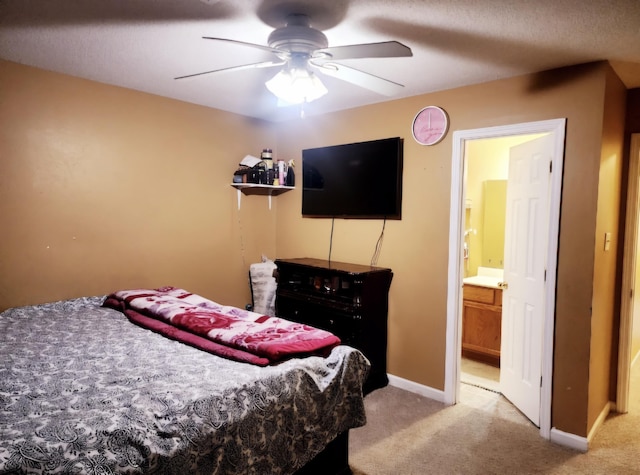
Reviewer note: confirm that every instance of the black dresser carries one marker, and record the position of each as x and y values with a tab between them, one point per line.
349	300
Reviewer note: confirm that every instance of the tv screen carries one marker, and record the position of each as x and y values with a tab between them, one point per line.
357	180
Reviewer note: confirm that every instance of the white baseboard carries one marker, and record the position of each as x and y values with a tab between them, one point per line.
416	388
580	443
569	440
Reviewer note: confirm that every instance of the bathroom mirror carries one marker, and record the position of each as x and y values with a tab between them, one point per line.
494	195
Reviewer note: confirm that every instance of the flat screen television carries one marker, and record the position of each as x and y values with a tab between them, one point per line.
356	180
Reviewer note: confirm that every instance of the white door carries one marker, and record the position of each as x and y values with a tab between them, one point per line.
526	234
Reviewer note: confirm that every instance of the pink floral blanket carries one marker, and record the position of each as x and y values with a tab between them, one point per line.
227	331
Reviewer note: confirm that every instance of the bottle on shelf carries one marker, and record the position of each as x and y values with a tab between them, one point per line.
291	176
267	157
282	172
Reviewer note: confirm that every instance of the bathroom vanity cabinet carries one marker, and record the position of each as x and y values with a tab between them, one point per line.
481	323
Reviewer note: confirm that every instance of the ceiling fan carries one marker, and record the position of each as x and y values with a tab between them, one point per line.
302	51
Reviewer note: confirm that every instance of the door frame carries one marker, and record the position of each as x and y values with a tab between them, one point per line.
456	261
628	277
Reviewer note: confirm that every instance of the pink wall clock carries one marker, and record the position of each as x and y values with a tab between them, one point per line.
430	125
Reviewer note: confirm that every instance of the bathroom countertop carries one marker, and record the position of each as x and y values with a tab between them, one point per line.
482	281
487	277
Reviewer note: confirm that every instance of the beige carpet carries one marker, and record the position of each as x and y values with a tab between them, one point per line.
484	434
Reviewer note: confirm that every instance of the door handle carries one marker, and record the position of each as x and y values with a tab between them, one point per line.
503	285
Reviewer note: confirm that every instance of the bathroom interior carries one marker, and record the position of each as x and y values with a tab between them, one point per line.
486	179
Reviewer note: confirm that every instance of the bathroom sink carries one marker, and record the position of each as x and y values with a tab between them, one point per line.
482	281
487	277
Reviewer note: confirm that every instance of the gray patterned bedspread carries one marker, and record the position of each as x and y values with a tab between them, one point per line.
83	390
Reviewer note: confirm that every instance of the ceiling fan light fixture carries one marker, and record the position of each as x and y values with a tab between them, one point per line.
296	86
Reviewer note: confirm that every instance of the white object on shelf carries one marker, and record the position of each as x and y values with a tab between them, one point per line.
256	189
250	161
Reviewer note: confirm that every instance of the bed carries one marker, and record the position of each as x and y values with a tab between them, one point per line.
84	389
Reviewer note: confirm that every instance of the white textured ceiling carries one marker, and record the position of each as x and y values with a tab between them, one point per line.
145	44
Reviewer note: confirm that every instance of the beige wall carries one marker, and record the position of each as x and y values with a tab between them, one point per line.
416	248
605	298
104	188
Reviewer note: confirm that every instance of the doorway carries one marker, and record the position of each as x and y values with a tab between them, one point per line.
485	182
630	303
456	258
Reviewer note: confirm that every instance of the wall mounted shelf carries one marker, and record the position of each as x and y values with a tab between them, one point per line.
256	189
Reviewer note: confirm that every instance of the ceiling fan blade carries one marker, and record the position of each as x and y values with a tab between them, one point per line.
359	78
264	64
386	49
244	43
